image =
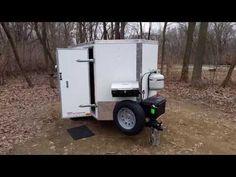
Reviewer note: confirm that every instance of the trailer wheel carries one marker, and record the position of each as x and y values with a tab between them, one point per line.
129	117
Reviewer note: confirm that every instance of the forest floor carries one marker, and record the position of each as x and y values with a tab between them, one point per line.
196	122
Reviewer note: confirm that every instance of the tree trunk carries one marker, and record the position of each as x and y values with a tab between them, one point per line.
66	33
122	30
95	31
52	28
81	36
163	47
15	51
104	31
149	31
84	32
44	46
187	53
90	31
198	62
141	30
48	63
229	74
117	30
3	64
77	33
112	31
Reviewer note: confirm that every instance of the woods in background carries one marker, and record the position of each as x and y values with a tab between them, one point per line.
31	46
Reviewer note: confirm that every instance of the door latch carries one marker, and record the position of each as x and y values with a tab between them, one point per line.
67	84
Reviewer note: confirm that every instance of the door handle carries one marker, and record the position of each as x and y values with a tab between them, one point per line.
67	84
87	105
88	60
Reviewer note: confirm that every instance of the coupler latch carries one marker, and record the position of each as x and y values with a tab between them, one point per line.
153	123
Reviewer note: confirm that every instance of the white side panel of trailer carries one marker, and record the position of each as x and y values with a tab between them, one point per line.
74	82
114	62
149	62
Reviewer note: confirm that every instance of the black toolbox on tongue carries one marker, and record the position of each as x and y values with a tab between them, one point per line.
154	106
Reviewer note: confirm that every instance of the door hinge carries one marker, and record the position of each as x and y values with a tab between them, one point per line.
60	76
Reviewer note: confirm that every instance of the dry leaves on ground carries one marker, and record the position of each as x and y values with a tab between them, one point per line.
214	96
23	110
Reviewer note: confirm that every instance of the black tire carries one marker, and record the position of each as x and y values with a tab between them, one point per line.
139	116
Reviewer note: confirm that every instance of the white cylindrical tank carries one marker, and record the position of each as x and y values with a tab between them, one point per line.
156	81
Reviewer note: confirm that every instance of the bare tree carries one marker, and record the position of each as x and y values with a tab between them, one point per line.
47	53
43	43
122	30
198	61
149	30
66	32
163	47
104	31
117	30
77	34
141	30
81	35
68	27
48	63
90	31
229	74
222	32
176	43
95	31
187	53
4	60
112	31
15	51
231	57
53	30
85	35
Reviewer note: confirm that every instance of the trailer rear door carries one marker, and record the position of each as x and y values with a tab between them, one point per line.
74	82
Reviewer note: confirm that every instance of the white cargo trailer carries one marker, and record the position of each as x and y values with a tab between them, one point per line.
111	80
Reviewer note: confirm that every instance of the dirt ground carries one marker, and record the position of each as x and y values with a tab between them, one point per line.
30	123
189	128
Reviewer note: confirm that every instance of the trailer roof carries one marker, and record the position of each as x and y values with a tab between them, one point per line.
117	41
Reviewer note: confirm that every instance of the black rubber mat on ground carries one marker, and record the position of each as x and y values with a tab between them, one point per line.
80	132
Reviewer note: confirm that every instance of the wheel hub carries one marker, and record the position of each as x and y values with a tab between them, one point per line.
126	118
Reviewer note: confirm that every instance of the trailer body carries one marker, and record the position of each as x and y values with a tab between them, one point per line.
86	74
